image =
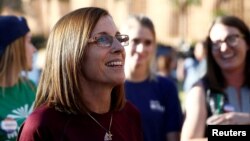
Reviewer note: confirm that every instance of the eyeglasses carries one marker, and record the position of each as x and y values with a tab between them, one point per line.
146	42
230	40
105	40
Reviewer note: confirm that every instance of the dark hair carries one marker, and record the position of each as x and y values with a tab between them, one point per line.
214	73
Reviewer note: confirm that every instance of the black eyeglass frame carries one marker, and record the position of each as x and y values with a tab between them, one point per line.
235	37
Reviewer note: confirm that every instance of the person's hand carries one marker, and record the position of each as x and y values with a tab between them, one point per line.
230	118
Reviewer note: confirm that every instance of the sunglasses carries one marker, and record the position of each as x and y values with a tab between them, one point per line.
105	40
146	42
230	40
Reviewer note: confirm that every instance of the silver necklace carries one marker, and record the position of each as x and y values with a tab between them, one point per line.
108	134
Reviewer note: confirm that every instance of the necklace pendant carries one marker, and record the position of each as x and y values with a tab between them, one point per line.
108	136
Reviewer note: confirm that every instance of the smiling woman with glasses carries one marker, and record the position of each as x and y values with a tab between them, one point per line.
81	94
222	97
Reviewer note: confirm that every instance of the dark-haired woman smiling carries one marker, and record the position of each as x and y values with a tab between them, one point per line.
222	97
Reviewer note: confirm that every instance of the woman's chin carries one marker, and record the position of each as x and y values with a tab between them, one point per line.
119	80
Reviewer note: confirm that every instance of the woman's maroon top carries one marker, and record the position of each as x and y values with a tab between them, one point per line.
48	124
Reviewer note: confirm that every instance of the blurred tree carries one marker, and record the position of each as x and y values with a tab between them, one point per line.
11	6
217	11
182	8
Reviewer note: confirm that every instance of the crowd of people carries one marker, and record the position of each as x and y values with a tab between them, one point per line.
100	82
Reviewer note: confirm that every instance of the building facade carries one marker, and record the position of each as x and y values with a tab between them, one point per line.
175	20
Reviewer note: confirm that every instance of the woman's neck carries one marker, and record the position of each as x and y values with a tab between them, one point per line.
10	79
137	74
97	97
235	78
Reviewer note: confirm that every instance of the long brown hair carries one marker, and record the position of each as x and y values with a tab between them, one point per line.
66	48
214	74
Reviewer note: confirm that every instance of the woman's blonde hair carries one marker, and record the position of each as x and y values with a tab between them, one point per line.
13	61
66	49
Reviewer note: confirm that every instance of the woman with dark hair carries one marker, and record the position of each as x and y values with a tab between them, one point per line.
222	97
80	95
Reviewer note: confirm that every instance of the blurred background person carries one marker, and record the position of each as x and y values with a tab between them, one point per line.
222	97
38	58
155	96
200	54
193	66
17	92
81	93
166	59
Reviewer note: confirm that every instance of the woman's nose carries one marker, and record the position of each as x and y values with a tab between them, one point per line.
117	47
139	48
224	46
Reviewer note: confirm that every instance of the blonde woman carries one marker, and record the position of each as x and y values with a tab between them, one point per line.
155	96
80	96
17	93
